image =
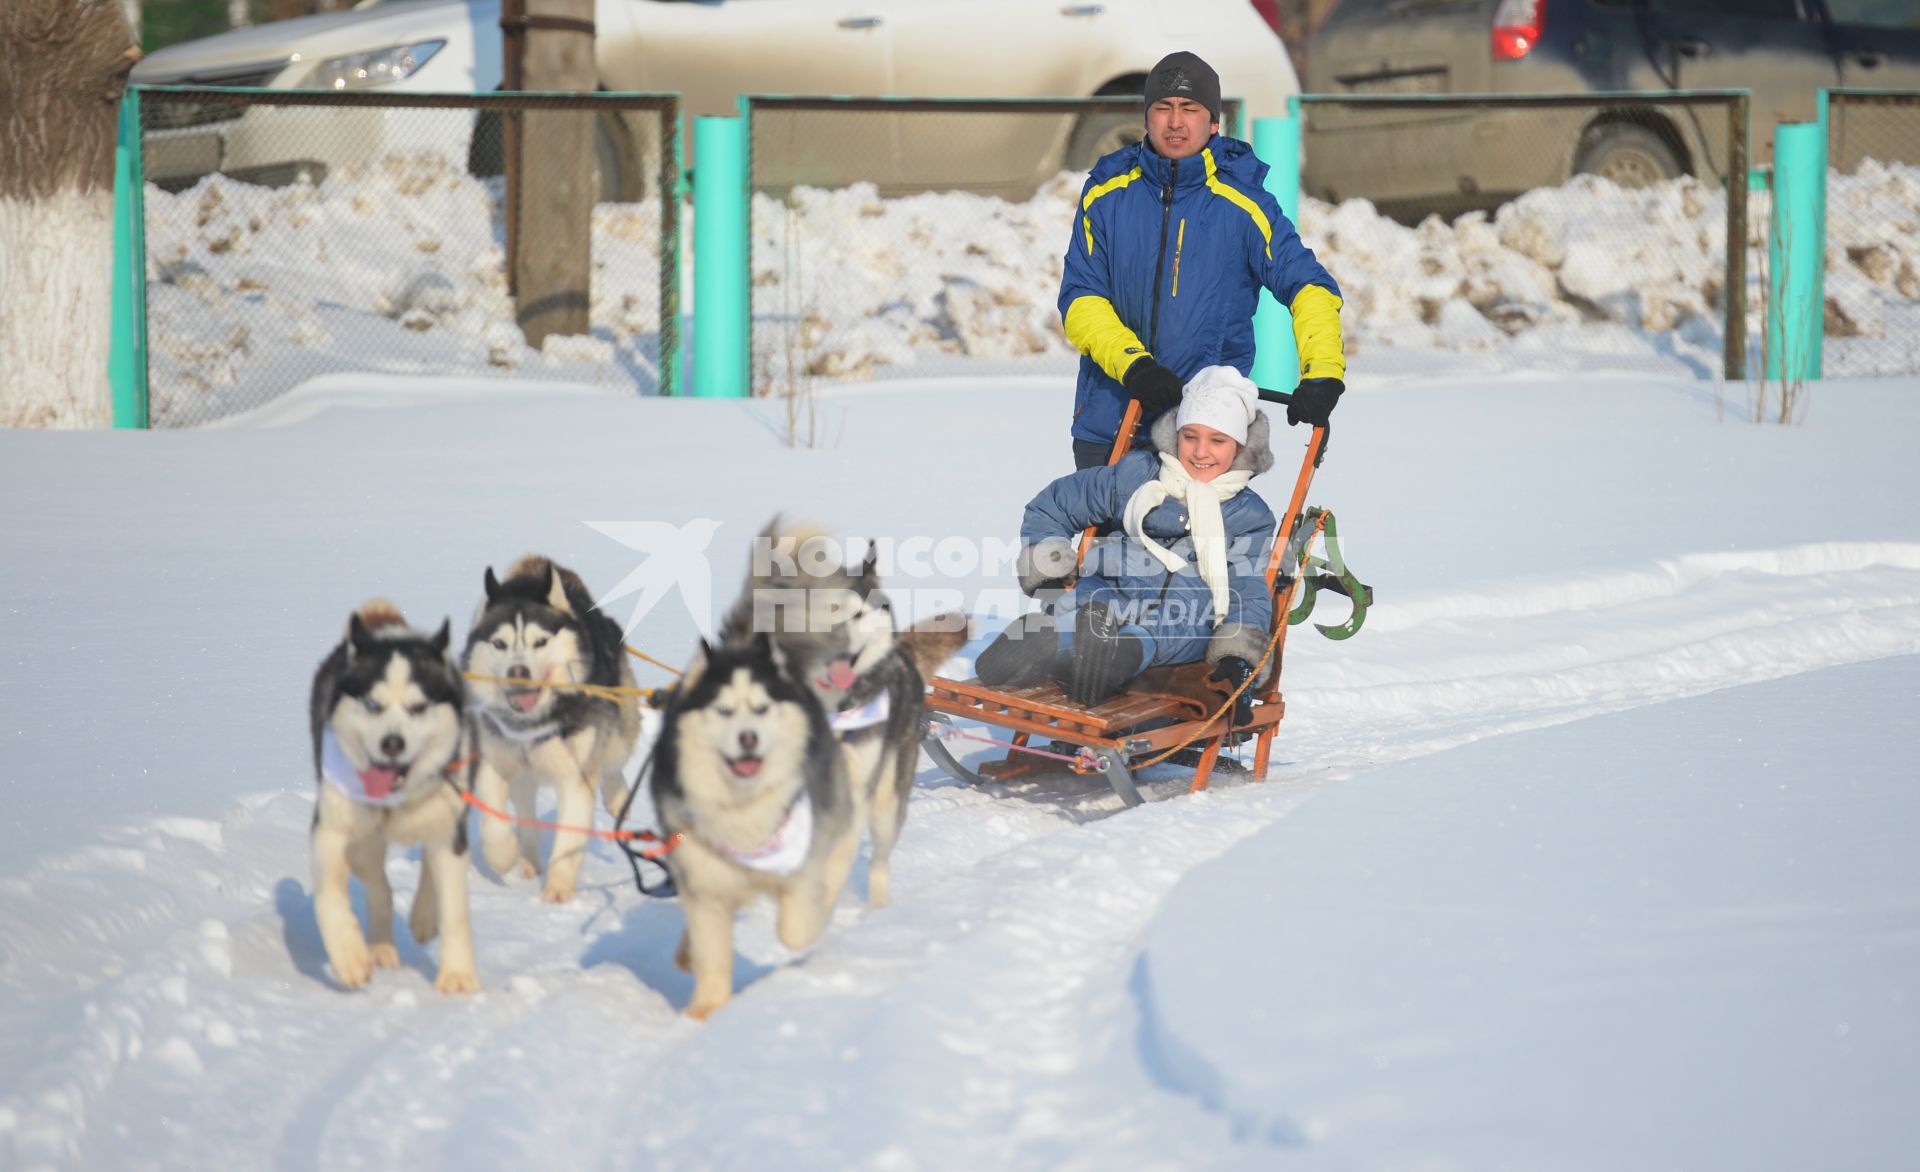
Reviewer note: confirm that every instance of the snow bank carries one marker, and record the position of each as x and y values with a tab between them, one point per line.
398	266
845	281
1873	270
395	266
1605	945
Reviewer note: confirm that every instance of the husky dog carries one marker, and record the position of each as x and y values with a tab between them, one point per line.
836	627
748	775
540	626
390	732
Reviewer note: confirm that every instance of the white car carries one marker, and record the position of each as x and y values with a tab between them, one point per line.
711	51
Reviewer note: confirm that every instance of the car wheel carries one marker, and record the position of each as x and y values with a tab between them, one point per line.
614	181
1627	155
1098	135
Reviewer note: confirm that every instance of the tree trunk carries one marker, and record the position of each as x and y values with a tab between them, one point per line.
551	261
63	66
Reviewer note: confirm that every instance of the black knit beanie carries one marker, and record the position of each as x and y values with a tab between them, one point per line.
1184	75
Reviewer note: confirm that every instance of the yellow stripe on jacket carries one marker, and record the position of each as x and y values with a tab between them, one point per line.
1239	199
1316	333
1097	331
1086	205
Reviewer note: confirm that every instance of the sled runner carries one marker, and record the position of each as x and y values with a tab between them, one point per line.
1166	711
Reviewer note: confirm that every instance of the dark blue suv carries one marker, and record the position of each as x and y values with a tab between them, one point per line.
1782	50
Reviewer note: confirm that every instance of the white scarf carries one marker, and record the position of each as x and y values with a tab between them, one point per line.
1203	517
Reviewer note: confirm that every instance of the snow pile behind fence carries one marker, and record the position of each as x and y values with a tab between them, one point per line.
397	265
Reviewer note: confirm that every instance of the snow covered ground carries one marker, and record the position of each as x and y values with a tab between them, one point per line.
1591	851
398	267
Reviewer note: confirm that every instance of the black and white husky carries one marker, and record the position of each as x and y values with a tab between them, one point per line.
390	732
836	628
750	777
540	627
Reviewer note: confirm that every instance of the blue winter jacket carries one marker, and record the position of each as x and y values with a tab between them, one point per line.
1174	608
1167	260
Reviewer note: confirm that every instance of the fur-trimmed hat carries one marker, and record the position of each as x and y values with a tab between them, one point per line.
1184	75
1221	398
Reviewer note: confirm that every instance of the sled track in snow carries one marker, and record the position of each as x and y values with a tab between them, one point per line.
1459	667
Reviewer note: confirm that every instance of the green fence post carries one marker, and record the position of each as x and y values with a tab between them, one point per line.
1276	361
721	339
127	347
1796	251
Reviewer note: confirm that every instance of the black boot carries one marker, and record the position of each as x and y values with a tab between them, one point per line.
1022	655
1104	657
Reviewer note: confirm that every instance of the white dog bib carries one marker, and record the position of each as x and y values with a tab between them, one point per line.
874	711
374	787
787	849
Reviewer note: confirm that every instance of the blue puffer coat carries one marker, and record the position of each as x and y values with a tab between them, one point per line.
1167	261
1173	609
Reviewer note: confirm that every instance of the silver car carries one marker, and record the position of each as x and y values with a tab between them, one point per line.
711	52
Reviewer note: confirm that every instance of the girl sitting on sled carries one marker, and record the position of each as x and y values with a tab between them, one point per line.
1181	579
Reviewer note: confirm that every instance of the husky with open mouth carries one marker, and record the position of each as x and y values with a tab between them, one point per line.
749	777
390	737
537	629
836	627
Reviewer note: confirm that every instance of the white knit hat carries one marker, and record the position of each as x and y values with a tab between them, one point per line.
1221	398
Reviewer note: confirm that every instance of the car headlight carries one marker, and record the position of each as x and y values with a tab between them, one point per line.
358	71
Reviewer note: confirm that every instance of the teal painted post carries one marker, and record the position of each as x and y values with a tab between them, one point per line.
1276	361
1796	252
721	358
127	353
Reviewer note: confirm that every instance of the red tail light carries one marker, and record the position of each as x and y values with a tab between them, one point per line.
1269	11
1516	28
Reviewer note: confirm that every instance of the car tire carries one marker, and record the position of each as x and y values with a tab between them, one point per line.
1097	135
612	144
1627	155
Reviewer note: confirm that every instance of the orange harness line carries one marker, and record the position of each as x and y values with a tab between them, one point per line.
662	847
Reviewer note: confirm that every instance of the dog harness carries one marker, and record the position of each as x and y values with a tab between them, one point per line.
787	849
848	721
368	788
528	737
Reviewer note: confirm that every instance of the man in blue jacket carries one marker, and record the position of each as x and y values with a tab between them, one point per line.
1175	237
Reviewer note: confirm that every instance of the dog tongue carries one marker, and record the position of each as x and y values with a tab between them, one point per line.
379	780
840	676
745	766
524	701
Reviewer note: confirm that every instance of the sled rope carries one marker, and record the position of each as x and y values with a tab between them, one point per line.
1279	630
639	654
616	694
1081	762
661	846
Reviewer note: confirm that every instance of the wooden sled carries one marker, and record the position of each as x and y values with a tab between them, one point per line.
1166	710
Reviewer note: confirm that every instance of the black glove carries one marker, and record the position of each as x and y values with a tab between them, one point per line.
1234	671
1157	388
1313	400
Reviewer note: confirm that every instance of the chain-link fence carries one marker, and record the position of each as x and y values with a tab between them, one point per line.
918	236
291	235
1873	234
1547	232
